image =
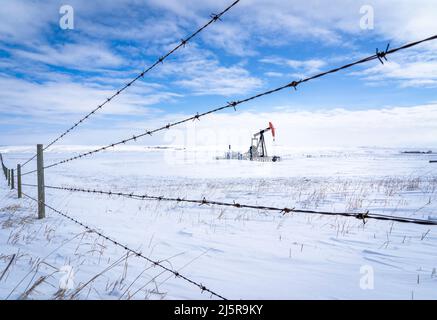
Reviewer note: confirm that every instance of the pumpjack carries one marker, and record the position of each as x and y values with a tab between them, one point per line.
258	149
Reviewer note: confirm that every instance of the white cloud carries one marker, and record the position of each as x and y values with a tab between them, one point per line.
208	78
25	21
389	127
412	69
224	36
79	56
251	25
267	23
273	74
54	101
201	72
303	66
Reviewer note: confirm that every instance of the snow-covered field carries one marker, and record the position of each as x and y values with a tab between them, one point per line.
239	253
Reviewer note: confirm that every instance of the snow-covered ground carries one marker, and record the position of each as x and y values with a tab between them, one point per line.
239	253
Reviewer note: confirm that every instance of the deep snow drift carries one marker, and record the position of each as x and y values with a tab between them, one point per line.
239	253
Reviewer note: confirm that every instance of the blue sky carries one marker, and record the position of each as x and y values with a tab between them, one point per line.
51	77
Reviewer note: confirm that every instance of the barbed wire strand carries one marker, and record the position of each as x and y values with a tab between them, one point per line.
183	42
380	55
204	201
136	253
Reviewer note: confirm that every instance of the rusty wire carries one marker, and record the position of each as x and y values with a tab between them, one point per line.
379	55
182	43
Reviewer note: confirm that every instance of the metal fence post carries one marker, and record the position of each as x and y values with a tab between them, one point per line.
40	173
19	180
12	179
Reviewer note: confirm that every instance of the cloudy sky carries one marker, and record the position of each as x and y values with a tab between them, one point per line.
50	77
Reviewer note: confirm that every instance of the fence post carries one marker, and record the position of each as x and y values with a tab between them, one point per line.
19	180
12	179
40	173
3	165
9	177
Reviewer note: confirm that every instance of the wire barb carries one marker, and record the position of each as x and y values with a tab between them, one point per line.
382	54
286	210
233	104
294	84
215	17
363	216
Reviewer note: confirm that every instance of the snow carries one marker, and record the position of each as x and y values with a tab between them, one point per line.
238	253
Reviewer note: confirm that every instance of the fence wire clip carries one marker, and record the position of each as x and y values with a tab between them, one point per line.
184	42
197	117
382	54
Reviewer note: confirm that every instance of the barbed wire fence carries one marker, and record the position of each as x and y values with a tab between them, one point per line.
381	56
294	84
9	173
214	17
360	215
138	254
